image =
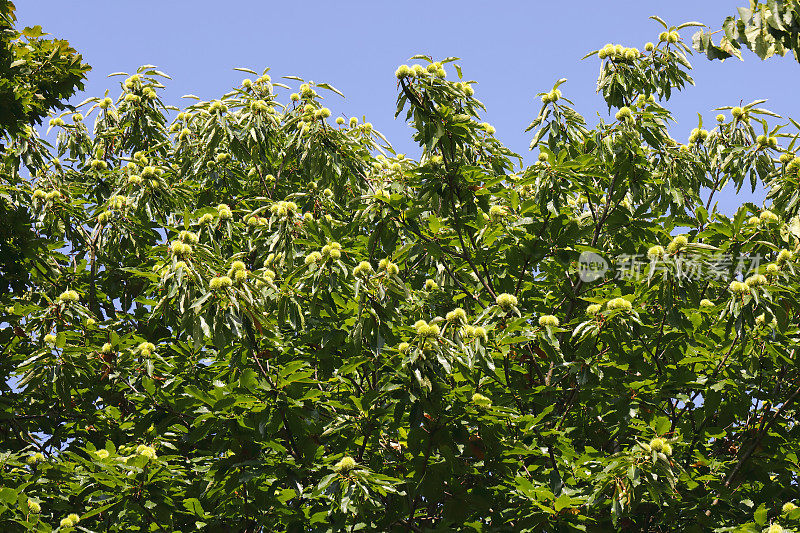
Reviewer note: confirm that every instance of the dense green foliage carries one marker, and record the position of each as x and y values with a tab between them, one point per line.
37	75
252	316
767	28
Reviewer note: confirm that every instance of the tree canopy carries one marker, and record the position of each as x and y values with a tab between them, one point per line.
250	315
37	76
766	28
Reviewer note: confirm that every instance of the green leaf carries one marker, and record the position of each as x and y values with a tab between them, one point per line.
194	507
562	502
8	495
760	515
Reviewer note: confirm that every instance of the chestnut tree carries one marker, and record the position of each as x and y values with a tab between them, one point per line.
251	315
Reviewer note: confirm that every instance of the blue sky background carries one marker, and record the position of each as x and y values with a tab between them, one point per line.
513	49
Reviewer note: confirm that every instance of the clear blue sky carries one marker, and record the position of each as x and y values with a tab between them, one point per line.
513	49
